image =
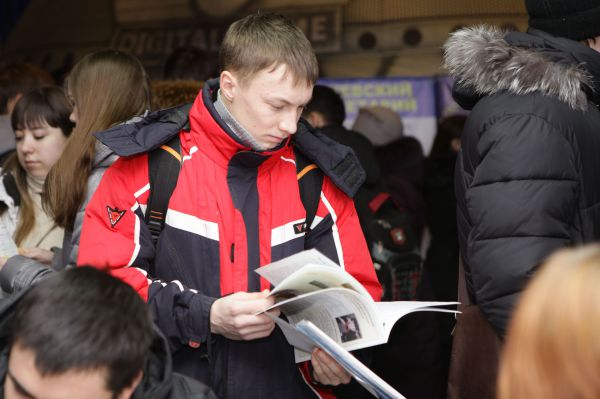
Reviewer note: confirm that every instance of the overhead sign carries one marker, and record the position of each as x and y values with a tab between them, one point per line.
152	46
322	27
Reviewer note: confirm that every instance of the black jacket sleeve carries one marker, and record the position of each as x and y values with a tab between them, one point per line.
517	197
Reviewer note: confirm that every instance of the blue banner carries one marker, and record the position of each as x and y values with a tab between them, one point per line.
414	99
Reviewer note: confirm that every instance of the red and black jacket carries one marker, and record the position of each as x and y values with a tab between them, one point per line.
232	211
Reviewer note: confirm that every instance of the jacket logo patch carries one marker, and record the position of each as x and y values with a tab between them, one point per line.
114	215
300	228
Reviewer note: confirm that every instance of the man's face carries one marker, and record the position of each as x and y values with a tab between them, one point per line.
23	381
268	104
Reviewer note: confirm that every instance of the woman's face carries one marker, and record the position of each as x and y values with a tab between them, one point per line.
38	148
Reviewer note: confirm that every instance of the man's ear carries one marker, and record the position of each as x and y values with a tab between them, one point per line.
228	83
127	393
316	119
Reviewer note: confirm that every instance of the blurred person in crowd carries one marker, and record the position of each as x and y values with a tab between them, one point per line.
16	79
527	180
186	69
326	111
552	348
439	280
189	63
236	206
172	93
107	87
400	159
84	334
441	263
410	361
40	120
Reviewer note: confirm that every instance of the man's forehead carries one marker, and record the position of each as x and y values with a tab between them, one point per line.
279	73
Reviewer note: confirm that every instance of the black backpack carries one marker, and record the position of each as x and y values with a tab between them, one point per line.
394	248
164	164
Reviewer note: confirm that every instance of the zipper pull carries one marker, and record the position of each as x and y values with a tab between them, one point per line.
232	254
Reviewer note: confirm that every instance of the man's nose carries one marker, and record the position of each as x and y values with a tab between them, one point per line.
289	123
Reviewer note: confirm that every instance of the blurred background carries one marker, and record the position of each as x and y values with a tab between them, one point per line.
375	52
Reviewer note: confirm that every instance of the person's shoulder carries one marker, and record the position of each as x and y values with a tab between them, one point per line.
129	172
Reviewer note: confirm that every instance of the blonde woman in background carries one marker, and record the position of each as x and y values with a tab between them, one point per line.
553	344
106	88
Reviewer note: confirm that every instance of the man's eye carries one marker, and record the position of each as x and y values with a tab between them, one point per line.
277	107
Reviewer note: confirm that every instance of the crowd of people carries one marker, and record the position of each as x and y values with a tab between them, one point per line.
141	209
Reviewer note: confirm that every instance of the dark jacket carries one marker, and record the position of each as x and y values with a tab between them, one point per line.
441	264
159	381
527	177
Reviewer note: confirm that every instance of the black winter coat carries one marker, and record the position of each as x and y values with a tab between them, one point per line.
528	175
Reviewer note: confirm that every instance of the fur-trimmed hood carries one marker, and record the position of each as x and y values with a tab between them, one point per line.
486	60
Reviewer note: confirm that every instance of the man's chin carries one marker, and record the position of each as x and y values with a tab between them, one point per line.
269	145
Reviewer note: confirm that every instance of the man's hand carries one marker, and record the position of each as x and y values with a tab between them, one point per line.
234	316
38	254
327	371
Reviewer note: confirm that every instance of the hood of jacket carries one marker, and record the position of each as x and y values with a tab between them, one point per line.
486	60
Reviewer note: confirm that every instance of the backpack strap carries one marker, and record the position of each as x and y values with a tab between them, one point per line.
310	183
164	164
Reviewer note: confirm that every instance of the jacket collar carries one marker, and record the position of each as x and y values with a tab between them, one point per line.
486	60
216	139
211	135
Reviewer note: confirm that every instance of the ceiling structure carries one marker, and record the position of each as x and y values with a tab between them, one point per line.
351	37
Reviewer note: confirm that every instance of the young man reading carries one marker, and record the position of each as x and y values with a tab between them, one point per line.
236	207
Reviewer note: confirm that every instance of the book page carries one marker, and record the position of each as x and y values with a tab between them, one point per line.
367	378
345	315
8	247
301	343
313	277
391	312
276	272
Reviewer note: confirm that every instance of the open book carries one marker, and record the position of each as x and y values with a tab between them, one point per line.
309	286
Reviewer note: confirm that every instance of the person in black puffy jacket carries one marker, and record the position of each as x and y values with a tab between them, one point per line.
527	177
84	334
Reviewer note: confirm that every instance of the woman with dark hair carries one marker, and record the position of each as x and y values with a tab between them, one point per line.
41	124
106	88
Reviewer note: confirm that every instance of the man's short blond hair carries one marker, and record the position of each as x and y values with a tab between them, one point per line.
261	41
